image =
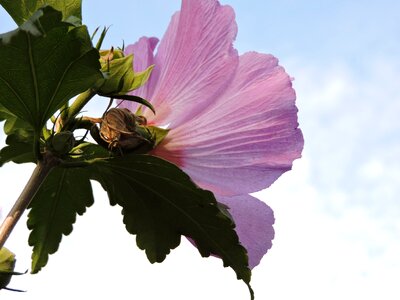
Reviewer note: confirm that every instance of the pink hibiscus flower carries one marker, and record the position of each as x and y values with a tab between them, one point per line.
232	119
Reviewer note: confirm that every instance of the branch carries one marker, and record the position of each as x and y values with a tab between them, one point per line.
38	176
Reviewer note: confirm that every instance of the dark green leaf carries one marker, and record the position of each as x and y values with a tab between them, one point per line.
44	64
65	193
19	141
4	113
18	150
22	10
160	204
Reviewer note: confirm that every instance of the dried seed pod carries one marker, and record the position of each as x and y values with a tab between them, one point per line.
121	130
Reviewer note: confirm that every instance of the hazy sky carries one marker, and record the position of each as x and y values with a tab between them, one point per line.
337	212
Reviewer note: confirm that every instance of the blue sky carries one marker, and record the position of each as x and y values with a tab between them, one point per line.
337	212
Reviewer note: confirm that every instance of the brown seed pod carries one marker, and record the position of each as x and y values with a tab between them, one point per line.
121	130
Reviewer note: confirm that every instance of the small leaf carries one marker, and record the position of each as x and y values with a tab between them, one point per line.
18	150
160	203
22	10
65	193
45	63
19	141
14	125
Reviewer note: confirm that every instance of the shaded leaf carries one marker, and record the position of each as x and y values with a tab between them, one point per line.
65	193
160	204
14	125
18	150
45	63
4	113
22	10
19	141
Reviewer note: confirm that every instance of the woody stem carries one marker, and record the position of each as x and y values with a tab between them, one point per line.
38	176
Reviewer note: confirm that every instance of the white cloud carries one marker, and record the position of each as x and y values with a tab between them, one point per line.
337	214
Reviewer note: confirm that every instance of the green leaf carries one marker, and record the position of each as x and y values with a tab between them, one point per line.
18	150
120	76
45	63
14	125
65	193
160	203
22	10
4	113
19	141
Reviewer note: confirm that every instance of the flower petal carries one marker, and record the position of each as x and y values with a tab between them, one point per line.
195	61
247	138
254	220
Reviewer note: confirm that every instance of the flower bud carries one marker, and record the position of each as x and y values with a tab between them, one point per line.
61	143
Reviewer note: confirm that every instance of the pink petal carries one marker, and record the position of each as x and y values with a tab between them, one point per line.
254	220
143	57
247	138
195	61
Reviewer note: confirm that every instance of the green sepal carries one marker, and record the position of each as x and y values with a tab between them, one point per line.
158	134
45	62
101	38
136	99
160	204
22	10
65	193
120	78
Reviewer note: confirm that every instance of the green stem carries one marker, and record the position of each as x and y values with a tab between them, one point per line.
77	106
38	176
